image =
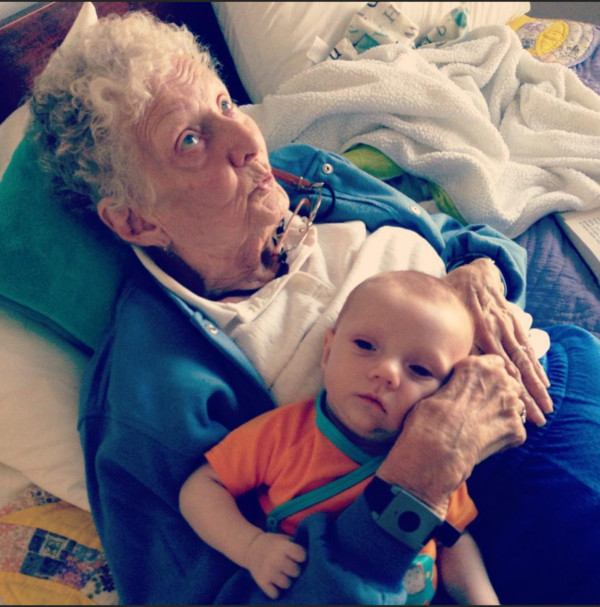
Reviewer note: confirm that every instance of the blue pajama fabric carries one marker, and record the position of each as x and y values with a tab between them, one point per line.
539	505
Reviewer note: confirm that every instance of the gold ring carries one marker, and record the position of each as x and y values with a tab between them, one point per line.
520	348
524	415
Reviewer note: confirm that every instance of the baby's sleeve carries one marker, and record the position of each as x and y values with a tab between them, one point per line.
461	510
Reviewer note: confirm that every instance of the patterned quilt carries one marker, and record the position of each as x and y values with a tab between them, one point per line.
571	43
50	554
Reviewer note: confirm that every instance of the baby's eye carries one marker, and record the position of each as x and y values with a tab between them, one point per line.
421	371
189	140
363	344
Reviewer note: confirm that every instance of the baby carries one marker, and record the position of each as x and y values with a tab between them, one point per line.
396	341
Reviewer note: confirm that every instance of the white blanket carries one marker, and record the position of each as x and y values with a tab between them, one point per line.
510	139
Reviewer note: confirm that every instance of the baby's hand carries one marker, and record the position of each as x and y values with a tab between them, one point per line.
274	560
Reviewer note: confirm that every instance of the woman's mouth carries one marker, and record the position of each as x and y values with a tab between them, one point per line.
262	180
266	183
262	187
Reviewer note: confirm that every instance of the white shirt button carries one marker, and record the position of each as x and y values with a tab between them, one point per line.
327	168
210	327
415	208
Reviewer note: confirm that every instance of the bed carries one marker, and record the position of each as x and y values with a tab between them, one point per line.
53	312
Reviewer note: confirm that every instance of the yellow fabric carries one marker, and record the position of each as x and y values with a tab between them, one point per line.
551	38
60	518
373	161
19	589
519	22
444	203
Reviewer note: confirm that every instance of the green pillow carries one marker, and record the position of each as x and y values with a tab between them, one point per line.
56	267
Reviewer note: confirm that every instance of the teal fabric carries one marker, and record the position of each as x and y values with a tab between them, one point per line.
337	437
56	267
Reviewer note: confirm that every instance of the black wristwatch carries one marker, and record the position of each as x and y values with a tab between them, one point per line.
406	517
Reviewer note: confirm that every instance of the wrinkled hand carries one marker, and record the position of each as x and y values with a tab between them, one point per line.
500	330
476	413
273	560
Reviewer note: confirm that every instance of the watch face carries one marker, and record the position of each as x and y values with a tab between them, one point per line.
405	517
409	521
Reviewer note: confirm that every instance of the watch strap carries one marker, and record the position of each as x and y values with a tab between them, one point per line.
406	517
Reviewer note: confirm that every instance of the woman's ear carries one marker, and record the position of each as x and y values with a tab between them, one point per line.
130	225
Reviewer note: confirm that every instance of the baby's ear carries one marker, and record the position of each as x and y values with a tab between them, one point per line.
130	225
327	341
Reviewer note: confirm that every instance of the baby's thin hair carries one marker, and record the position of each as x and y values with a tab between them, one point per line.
415	283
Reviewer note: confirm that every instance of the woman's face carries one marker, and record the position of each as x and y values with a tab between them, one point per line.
217	201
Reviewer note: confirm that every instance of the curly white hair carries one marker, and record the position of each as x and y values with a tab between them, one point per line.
91	94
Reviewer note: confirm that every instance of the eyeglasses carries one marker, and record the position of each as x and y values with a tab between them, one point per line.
313	190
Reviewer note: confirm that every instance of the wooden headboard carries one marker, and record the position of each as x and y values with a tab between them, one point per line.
28	39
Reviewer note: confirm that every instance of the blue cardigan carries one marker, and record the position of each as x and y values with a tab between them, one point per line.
167	384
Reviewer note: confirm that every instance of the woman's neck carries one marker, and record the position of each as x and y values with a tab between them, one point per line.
175	267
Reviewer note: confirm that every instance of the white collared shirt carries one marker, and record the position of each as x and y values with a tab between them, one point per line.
330	262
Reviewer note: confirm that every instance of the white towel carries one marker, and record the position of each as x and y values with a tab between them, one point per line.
510	139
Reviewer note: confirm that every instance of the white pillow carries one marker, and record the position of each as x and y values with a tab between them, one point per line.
12	131
40	372
269	41
40	379
12	484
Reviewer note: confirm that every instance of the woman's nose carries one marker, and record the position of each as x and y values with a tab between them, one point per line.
242	142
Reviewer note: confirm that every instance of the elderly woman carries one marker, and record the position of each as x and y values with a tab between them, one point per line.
225	317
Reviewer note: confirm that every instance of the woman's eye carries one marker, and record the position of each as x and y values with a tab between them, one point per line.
189	140
421	371
363	344
226	105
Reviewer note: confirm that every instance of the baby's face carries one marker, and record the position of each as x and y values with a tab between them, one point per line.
388	352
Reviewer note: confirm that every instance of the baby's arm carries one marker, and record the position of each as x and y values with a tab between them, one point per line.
271	558
464	575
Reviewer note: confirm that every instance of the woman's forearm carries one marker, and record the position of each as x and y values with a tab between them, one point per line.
464	575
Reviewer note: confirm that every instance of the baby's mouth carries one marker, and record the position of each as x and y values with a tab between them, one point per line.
373	401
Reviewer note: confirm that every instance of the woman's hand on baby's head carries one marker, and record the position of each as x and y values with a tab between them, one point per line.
503	329
273	560
476	413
